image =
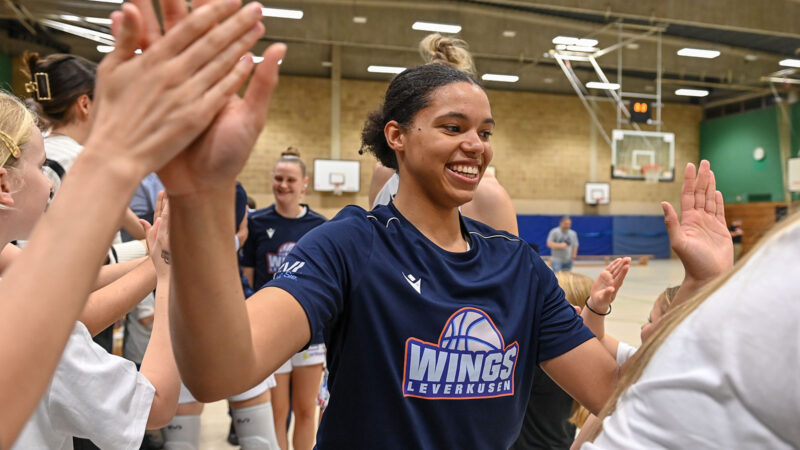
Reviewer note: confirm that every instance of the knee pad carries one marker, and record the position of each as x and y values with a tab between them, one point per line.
182	433
255	427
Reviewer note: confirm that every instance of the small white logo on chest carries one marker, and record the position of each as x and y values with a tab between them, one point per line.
270	232
415	282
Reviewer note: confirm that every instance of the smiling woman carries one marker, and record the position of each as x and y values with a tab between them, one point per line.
383	288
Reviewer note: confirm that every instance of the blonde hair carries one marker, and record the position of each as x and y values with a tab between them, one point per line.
674	318
576	287
437	49
17	122
292	155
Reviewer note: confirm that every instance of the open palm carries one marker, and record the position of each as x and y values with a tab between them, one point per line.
700	238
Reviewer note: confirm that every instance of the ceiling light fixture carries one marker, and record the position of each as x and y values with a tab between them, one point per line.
509	33
107	1
359	19
601	85
98	20
581	48
698	53
105	48
282	13
499	77
327	64
385	69
790	63
103	38
692	92
69	17
436	27
569	40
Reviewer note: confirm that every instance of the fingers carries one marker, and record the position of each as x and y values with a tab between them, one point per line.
711	189
701	184
151	31
199	3
720	207
215	97
173	11
671	221
620	276
687	190
187	31
219	41
145	225
230	57
159	204
265	79
128	26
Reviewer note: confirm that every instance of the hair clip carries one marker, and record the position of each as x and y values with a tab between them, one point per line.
40	85
10	148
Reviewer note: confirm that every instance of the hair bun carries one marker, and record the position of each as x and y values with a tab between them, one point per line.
291	152
453	52
30	61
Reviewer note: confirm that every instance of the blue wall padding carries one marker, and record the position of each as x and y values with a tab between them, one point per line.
640	235
602	235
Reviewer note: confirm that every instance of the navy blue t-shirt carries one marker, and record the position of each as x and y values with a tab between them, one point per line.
426	348
271	237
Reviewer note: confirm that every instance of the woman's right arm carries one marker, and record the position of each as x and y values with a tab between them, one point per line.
603	292
144	118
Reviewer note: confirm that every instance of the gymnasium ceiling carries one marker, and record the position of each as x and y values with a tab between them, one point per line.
752	36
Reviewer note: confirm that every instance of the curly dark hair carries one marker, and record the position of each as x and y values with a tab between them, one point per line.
409	92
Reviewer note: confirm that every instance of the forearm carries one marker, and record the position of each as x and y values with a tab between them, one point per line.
594	321
111	272
47	286
111	302
208	316
158	364
130	223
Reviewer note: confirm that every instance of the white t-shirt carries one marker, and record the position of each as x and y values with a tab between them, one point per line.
624	352
388	191
727	377
64	150
93	395
137	336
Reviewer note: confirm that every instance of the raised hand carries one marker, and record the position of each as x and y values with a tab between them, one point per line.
171	92
605	287
158	237
700	238
217	157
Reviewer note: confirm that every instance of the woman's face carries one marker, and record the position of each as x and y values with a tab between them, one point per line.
30	200
288	183
446	148
649	327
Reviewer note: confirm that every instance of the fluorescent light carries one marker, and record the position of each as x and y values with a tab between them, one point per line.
692	92
509	33
359	19
499	77
282	13
698	53
69	17
103	38
581	48
98	20
548	80
790	63
107	1
105	48
327	64
385	69
438	27
599	85
569	40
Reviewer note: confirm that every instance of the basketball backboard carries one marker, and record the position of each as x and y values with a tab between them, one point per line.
337	175
632	150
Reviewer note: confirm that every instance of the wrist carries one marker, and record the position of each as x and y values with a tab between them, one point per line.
597	309
112	170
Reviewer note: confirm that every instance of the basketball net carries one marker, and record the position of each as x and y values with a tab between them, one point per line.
337	188
651	173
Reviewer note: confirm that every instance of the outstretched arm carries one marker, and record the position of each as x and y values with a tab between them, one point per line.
700	238
149	108
604	291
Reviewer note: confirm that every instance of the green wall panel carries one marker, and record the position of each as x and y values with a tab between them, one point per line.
728	144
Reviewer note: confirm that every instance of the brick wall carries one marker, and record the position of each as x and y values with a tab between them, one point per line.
541	147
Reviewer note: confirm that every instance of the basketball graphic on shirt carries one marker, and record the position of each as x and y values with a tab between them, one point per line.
470	329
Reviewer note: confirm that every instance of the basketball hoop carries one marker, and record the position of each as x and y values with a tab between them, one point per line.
651	172
338	188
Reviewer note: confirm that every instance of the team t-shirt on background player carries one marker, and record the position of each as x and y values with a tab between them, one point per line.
426	348
274	236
